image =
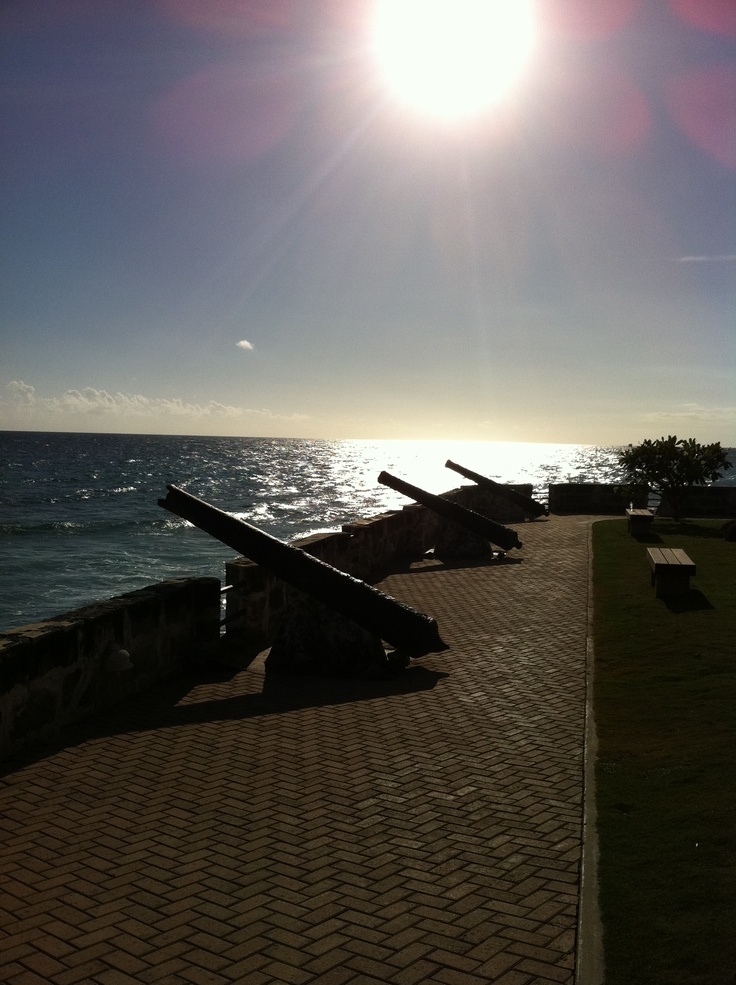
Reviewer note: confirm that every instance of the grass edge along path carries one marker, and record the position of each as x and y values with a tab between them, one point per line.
664	695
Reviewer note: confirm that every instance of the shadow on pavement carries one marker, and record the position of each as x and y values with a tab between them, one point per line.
450	564
174	704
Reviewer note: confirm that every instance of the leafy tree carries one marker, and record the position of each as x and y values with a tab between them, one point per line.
671	465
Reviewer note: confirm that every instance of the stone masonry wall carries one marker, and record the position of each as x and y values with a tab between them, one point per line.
65	669
705	501
599	497
589	497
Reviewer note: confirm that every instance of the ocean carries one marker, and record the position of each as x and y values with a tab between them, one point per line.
80	520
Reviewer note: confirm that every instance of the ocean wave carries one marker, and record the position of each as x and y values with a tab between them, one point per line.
101	527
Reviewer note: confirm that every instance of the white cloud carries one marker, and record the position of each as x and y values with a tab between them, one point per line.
22	392
244	344
23	406
692	414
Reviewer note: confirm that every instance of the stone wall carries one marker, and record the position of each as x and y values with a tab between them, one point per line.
590	497
491	504
705	501
599	497
65	669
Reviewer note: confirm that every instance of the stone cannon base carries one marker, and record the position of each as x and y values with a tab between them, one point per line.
316	641
456	541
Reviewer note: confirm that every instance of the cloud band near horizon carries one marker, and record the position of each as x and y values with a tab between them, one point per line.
23	404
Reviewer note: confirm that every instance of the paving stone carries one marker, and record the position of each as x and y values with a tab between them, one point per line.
80	973
226	827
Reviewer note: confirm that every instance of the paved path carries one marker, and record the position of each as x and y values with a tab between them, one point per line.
240	830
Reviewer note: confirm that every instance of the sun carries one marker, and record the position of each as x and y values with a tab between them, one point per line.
452	58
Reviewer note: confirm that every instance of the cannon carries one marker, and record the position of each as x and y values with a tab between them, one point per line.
487	529
530	506
413	633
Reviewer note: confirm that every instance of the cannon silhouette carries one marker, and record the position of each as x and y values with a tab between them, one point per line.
530	506
384	618
485	529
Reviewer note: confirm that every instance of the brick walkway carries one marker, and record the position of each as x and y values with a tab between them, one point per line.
236	830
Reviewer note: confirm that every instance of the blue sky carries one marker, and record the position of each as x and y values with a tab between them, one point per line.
219	218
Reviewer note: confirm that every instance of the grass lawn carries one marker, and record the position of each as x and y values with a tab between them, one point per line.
665	707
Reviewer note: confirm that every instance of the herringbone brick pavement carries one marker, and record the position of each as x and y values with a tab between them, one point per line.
237	829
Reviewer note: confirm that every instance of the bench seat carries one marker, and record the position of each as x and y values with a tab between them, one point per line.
671	570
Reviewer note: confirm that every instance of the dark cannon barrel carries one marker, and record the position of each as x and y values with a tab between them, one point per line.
494	532
412	632
530	506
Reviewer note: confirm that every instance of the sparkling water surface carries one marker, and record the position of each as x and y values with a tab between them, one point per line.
80	520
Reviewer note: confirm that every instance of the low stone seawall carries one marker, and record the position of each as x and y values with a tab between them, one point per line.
706	501
62	670
589	498
612	499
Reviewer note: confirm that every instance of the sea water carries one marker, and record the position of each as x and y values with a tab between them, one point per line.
80	520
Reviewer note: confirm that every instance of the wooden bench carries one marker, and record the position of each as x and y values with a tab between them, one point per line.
639	521
671	570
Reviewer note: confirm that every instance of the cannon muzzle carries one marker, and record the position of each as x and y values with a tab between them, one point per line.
494	532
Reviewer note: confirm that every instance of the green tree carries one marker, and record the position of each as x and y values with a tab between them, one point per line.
669	466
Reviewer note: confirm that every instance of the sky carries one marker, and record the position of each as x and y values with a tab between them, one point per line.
227	217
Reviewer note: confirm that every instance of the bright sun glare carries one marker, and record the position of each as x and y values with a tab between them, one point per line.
452	58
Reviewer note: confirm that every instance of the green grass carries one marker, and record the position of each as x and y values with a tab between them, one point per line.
665	706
